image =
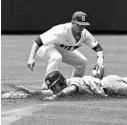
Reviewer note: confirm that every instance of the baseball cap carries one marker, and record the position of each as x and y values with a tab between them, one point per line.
80	18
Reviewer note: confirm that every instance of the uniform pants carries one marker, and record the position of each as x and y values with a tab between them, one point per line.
115	85
54	55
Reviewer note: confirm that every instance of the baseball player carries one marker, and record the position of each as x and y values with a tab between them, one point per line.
110	85
58	86
59	44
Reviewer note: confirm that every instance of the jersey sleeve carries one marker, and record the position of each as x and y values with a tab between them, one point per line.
55	35
76	82
48	37
87	84
89	40
94	85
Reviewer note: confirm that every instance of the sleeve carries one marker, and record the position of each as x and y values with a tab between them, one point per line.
71	82
96	87
74	81
48	38
54	35
38	41
89	39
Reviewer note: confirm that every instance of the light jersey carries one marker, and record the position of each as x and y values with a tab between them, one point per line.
87	85
115	84
62	35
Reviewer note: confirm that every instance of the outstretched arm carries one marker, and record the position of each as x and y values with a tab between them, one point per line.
65	92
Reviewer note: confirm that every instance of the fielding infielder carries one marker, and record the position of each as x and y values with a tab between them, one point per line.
59	44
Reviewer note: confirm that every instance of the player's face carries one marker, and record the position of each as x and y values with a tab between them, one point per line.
78	28
57	88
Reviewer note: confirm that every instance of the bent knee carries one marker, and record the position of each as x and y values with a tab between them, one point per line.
56	58
85	60
81	67
83	63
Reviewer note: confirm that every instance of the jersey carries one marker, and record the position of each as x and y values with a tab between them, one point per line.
62	36
87	85
115	85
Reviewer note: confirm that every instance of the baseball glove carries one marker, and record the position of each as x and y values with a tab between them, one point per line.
98	71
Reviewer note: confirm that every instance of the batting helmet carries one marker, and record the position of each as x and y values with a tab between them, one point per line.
54	78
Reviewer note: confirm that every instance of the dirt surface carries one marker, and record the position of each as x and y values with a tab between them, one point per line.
74	111
111	111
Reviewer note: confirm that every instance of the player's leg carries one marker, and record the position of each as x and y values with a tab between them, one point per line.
19	92
51	56
122	86
115	85
27	90
77	60
16	95
20	88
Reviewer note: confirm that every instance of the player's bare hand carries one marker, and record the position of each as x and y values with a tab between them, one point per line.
31	64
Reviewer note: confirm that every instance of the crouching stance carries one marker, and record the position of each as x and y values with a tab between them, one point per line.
60	44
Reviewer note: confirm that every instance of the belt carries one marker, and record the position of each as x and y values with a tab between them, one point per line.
68	47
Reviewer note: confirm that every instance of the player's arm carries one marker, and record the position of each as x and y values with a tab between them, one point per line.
100	54
65	92
93	43
31	61
99	91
